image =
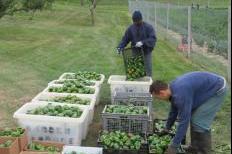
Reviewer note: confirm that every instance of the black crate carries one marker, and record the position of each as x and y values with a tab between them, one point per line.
127	123
133	56
173	131
142	150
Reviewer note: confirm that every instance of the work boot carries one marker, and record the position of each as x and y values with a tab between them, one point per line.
192	148
204	143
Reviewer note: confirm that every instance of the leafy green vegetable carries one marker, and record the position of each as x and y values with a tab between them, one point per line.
70	99
12	132
120	140
39	147
131	109
84	75
76	81
135	68
159	125
6	144
72	88
57	110
158	144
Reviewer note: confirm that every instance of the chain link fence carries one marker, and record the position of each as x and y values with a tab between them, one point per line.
198	33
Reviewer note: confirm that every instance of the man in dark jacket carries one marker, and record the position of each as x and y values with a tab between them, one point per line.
195	97
141	35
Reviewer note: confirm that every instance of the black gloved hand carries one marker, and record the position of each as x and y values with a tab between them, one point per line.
165	131
119	50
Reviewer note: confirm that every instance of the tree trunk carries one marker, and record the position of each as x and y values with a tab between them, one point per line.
92	11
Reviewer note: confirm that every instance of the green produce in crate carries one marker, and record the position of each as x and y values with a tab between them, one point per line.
158	144
6	144
72	88
135	68
84	75
71	100
57	110
76	81
39	147
120	140
161	124
131	109
12	132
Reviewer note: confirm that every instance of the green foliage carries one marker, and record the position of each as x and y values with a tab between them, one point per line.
6	144
12	132
120	140
123	109
71	100
39	147
57	110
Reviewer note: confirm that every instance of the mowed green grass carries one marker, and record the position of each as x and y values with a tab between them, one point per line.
34	52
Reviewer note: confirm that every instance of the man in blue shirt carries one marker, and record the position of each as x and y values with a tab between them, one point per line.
195	98
141	35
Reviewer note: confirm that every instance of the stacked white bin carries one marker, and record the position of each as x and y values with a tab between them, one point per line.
119	83
44	96
84	150
97	83
61	129
69	131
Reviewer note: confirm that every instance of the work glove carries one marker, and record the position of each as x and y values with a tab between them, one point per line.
139	44
119	50
165	131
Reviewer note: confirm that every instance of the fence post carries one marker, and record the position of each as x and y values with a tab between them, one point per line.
229	44
155	16
167	20
189	31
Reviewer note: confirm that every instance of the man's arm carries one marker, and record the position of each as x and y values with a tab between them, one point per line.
150	41
125	39
184	113
171	117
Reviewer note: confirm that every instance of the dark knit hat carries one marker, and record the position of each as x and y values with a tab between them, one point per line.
137	16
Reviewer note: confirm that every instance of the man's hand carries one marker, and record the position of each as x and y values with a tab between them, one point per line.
139	44
171	150
164	131
119	50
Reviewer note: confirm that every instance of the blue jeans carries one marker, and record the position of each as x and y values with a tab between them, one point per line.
204	115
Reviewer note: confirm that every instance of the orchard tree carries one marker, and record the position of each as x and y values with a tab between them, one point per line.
6	7
92	7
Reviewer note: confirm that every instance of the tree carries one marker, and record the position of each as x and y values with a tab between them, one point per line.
9	7
6	7
92	7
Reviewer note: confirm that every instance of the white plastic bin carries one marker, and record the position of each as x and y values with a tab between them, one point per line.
49	128
95	95
119	83
53	82
48	96
86	150
71	73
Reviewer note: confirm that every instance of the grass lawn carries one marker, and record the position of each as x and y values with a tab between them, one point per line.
34	52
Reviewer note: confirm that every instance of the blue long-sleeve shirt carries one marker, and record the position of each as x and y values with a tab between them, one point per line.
189	92
144	33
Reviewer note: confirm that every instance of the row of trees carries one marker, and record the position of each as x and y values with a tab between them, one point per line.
9	7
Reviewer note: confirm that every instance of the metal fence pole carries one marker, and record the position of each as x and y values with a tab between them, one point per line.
155	16
229	44
167	20
189	31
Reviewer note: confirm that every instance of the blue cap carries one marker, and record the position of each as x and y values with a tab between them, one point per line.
137	16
